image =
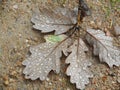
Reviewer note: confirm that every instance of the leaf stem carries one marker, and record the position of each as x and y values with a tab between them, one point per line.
96	39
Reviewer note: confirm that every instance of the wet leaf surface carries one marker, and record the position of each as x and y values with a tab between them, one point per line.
78	69
45	57
103	47
58	19
17	35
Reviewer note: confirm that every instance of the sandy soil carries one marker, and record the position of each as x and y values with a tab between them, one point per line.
17	35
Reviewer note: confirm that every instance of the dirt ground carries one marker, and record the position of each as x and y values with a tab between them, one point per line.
17	35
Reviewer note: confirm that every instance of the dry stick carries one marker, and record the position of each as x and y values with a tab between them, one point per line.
78	47
60	24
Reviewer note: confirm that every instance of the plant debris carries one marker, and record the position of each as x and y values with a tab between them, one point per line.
46	56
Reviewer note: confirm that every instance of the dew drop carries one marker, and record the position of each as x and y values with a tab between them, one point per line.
42	25
45	71
47	21
76	65
73	68
41	64
42	78
39	71
84	68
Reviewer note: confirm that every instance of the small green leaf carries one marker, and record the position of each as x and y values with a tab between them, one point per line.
54	38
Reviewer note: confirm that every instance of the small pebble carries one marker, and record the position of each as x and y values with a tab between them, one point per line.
28	45
50	83
92	22
26	40
13	73
20	35
68	88
15	6
6	82
47	79
12	80
60	79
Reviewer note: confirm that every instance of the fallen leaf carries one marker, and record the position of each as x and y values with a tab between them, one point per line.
45	57
103	47
48	20
78	69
